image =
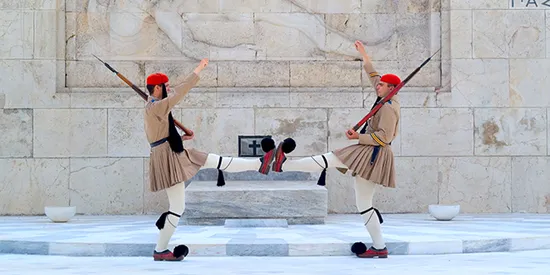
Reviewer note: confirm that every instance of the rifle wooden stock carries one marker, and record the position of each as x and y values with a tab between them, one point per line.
136	89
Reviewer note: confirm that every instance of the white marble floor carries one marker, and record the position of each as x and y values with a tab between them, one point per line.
525	262
405	234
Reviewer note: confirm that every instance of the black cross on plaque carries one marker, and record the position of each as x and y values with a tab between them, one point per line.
250	146
254	146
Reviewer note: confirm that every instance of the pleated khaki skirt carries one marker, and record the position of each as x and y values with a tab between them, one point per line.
357	158
167	168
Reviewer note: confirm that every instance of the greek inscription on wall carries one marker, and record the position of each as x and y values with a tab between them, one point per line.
543	4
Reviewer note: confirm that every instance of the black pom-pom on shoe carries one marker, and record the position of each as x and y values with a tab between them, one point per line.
289	145
268	144
181	250
358	248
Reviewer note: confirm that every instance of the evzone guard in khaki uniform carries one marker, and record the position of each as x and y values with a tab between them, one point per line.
371	160
171	164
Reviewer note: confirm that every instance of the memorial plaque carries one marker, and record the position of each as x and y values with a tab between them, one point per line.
250	146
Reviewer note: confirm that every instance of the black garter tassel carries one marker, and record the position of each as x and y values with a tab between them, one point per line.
322	178
221	179
377	213
162	219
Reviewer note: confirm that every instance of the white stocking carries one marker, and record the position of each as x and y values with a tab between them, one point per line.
313	163
232	164
364	193
176	198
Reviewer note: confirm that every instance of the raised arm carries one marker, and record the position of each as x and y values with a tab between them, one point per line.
164	106
372	74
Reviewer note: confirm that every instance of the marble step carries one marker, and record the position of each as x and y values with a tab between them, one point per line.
299	202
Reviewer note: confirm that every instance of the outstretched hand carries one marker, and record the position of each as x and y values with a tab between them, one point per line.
203	63
360	47
201	66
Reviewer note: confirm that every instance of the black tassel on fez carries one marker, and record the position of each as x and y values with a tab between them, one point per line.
174	138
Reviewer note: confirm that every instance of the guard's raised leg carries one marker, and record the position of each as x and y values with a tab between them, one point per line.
234	164
308	164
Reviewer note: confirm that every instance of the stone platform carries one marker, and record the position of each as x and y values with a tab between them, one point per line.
405	234
298	202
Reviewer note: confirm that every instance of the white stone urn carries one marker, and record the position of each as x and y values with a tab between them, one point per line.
443	212
60	213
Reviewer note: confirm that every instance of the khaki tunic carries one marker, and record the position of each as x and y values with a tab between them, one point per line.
382	129
167	168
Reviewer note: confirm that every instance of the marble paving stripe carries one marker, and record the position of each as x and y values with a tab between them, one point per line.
24	247
476	246
272	247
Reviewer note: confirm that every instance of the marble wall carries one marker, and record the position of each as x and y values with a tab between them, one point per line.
474	121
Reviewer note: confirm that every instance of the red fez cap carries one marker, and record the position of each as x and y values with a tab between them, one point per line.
391	79
157	79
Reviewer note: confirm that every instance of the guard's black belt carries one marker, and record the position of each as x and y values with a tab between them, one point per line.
159	142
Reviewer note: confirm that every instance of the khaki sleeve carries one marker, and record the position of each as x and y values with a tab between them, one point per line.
386	128
372	74
164	106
